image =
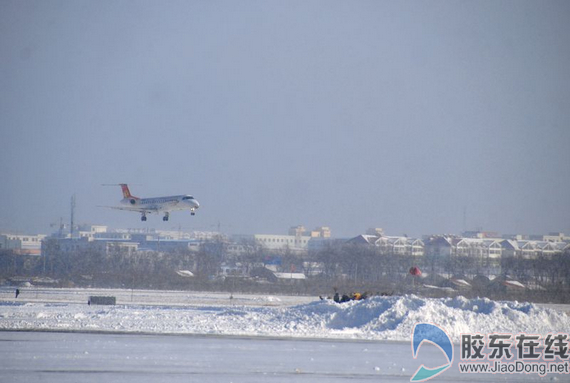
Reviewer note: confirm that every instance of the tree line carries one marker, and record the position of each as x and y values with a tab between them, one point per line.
339	266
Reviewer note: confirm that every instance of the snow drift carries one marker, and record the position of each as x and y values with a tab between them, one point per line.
379	318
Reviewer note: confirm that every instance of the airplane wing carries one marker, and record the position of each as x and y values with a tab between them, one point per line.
137	209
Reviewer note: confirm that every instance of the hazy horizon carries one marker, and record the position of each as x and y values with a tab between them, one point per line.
416	117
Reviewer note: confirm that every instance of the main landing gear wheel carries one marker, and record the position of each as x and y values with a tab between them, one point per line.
165	218
143	218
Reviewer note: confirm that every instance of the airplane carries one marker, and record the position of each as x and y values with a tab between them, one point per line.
157	204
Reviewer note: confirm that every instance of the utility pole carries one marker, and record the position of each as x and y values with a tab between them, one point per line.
72	216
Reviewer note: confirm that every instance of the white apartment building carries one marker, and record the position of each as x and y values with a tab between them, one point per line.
84	244
283	242
482	248
392	244
22	244
534	249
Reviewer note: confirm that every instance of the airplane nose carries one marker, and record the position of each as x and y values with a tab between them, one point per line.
196	204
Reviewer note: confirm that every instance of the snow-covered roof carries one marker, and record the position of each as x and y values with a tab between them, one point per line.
290	275
479	241
513	283
460	282
534	245
364	238
185	273
441	241
510	243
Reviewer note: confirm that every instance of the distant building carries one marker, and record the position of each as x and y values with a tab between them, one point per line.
534	249
391	244
524	237
439	246
22	244
169	245
556	237
477	247
298	240
375	231
131	240
480	234
364	239
112	236
319	243
496	248
67	245
319	232
91	231
276	277
289	277
297	231
402	245
283	242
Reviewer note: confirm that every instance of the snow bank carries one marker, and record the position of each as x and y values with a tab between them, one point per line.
389	318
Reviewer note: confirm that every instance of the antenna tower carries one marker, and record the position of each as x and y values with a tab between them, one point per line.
72	216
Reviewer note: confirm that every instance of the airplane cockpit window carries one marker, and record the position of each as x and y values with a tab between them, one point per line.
188	197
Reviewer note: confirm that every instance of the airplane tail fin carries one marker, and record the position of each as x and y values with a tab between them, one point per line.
126	191
125	188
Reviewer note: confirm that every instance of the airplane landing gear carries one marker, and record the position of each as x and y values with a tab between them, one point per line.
165	218
143	217
192	212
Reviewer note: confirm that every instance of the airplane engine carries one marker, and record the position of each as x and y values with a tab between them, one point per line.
133	201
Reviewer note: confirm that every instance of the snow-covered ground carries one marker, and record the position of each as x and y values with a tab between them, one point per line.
378	318
133	358
149	297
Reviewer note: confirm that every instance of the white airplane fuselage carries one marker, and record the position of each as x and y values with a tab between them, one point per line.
163	204
157	204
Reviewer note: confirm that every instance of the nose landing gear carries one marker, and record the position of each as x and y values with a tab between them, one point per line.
165	218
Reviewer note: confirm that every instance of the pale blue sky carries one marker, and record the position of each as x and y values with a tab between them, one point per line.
350	114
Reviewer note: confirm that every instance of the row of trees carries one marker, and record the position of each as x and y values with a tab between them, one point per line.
353	265
339	265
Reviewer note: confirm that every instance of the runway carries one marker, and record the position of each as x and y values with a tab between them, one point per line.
81	357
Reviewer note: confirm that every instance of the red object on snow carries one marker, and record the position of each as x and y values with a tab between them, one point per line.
415	271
